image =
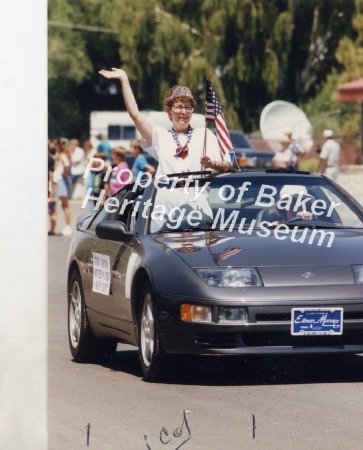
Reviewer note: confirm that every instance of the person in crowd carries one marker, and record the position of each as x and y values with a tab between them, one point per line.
295	146
52	184
120	174
140	162
95	181
62	174
61	142
181	148
104	146
78	165
285	157
330	156
89	150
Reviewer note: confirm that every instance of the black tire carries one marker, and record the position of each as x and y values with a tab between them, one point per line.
151	354
83	345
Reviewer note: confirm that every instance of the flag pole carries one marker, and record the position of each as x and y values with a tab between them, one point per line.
209	78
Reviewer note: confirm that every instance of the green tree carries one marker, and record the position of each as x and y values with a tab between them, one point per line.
325	109
75	54
256	51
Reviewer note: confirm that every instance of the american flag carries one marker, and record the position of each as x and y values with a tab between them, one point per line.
214	113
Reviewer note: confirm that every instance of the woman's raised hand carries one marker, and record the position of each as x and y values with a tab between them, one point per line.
114	74
140	120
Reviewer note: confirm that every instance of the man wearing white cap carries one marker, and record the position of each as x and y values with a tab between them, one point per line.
330	156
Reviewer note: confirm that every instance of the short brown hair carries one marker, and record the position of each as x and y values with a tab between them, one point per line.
119	151
136	143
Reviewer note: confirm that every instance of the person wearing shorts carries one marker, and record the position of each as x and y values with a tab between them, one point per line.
52	212
62	174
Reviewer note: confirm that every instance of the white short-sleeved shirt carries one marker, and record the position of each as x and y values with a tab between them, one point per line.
163	149
296	148
287	156
78	164
331	152
60	165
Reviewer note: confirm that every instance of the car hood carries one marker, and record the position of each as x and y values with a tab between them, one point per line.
278	261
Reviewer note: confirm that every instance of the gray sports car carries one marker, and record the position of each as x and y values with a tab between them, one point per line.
239	263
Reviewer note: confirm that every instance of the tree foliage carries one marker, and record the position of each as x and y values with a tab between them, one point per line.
256	51
325	108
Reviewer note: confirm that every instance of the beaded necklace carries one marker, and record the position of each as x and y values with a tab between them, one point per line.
182	151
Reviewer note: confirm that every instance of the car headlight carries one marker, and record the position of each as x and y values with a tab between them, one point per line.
358	273
195	313
224	315
230	277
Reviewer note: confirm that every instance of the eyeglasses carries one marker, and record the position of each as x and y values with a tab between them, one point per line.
179	108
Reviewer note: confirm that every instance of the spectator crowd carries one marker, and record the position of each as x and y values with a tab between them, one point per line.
67	161
323	160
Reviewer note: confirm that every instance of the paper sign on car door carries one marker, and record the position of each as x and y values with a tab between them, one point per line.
101	273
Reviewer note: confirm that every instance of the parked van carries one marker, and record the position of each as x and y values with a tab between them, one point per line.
119	128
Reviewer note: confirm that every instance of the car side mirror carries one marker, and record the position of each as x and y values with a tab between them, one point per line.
113	230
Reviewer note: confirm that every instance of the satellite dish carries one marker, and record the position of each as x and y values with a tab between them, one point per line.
278	118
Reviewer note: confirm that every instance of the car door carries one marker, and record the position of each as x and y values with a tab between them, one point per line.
118	258
84	254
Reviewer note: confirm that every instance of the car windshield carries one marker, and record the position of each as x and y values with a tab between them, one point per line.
234	202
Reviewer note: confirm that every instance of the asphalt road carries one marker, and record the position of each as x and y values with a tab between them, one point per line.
234	403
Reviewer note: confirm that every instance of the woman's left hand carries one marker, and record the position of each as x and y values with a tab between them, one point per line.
206	162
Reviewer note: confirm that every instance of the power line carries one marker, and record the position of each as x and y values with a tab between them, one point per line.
79	26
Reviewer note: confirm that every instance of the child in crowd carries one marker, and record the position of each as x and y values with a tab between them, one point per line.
140	163
120	175
89	150
95	181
